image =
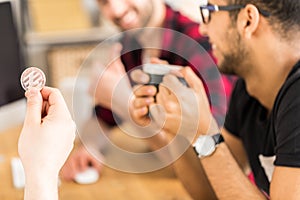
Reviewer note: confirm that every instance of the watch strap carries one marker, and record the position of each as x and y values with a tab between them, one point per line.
218	138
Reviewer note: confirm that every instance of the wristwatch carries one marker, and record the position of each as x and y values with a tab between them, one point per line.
205	145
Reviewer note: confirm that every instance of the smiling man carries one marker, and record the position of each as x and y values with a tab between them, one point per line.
258	40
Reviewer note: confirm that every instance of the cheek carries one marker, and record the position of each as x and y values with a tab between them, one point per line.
143	6
223	41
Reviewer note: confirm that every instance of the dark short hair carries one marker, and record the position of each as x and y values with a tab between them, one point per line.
284	14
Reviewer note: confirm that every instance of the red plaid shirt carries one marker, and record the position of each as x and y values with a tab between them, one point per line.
186	45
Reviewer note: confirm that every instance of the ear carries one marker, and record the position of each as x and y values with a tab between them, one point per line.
248	20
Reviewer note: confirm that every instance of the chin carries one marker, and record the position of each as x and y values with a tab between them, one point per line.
226	69
131	26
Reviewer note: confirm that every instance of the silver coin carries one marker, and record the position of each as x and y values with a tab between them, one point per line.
33	77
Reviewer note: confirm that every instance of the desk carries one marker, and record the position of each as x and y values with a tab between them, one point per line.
112	185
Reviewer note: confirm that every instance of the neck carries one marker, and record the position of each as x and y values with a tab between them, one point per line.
153	46
158	14
270	70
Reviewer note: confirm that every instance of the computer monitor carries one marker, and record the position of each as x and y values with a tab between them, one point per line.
12	102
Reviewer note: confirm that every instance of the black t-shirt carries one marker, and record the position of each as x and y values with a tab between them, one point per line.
275	135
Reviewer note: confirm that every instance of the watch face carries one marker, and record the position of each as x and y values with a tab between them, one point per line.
205	145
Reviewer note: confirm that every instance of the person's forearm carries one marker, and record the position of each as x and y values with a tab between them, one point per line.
41	187
193	177
226	177
190	171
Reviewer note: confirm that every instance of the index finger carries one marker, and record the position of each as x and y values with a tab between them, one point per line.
145	90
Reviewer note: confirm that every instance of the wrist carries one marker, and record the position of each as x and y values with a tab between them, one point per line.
211	127
41	174
41	186
41	179
206	145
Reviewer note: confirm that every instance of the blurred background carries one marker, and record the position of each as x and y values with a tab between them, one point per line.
57	36
62	32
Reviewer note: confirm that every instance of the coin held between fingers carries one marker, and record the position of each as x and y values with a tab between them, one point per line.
33	77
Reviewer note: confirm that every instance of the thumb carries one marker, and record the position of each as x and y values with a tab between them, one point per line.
34	107
192	79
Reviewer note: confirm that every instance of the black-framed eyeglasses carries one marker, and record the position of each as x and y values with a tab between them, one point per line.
206	11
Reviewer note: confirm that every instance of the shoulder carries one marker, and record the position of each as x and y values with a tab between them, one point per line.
175	20
287	104
288	96
286	115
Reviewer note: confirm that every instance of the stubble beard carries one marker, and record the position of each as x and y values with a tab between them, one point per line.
233	60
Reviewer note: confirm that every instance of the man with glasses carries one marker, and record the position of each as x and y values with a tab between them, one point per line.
133	14
259	42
